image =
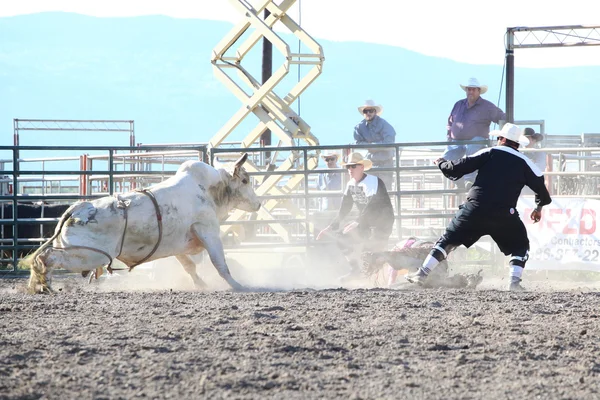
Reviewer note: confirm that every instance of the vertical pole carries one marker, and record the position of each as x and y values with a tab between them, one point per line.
135	162
510	76
16	132
398	196
111	177
306	198
16	143
15	192
83	179
299	49
267	71
548	179
131	134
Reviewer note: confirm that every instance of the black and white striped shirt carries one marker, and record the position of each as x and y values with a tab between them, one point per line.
502	174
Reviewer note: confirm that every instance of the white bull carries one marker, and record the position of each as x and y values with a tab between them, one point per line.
178	217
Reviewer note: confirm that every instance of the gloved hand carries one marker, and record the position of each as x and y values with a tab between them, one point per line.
323	232
332	228
536	215
352	225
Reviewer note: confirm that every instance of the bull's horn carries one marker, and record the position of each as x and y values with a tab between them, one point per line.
241	160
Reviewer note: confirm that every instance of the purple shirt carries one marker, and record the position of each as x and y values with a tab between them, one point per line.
468	122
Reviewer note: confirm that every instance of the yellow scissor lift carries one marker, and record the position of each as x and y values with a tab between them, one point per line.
274	113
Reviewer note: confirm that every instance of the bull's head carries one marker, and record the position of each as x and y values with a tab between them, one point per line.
246	198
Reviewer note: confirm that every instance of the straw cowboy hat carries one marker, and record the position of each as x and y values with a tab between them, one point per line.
371	104
511	132
357	158
530	134
473	82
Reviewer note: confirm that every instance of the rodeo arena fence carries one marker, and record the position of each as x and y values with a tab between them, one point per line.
424	201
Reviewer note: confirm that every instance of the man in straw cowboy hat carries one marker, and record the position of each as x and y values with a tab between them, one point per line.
375	130
470	119
490	208
330	181
373	226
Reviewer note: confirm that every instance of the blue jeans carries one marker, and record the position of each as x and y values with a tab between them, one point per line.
457	151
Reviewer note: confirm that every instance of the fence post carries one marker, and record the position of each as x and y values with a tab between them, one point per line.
83	179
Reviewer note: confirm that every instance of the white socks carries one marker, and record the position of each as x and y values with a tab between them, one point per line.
515	273
429	264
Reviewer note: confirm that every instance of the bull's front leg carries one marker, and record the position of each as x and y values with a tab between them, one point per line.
208	233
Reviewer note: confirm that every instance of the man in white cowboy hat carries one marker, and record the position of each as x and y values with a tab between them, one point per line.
330	181
470	119
375	130
490	208
538	157
373	225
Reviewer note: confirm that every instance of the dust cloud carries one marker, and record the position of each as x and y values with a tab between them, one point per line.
269	270
282	269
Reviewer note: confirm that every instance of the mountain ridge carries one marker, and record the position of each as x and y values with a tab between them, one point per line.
156	70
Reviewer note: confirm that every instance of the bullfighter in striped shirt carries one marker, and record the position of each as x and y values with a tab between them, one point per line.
491	203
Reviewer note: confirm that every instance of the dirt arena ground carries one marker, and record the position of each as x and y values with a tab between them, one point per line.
110	340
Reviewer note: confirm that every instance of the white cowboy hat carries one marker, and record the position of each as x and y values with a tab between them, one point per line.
473	82
329	154
371	104
357	158
511	132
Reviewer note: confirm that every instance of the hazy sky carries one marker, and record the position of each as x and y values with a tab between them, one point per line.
469	31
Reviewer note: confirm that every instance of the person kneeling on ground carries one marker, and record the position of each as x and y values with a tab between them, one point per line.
409	255
491	203
372	229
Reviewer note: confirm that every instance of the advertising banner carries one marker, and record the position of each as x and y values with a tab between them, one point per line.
567	237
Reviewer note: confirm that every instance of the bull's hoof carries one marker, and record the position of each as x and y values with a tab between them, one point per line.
40	289
93	274
236	287
46	290
200	286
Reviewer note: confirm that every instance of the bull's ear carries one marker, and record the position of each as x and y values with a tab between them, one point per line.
241	160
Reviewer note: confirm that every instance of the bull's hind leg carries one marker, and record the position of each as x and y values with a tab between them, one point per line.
38	278
190	267
72	259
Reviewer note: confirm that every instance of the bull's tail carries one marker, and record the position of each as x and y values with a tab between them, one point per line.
38	277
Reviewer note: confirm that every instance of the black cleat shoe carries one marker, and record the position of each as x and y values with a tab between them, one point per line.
418	277
515	286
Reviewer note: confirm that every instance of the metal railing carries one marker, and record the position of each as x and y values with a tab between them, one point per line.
423	200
